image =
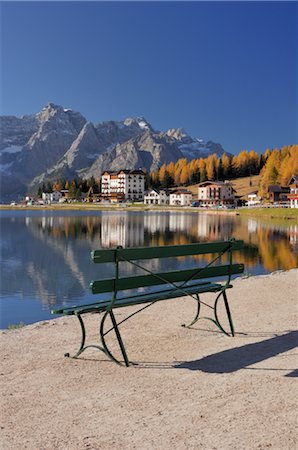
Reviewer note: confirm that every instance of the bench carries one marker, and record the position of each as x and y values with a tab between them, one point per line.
163	285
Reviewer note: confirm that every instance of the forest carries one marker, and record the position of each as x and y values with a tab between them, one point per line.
275	166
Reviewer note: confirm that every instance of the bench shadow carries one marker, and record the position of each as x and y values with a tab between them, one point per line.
293	374
238	358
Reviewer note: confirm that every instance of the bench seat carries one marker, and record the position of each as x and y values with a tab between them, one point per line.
149	297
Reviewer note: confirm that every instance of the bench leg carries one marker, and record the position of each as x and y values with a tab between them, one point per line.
119	338
81	349
196	318
229	313
102	335
216	321
104	347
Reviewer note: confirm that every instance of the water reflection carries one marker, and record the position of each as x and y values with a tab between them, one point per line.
46	262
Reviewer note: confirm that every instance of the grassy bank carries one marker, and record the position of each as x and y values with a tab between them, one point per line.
270	213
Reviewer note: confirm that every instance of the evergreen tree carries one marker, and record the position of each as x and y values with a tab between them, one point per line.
220	172
72	191
49	187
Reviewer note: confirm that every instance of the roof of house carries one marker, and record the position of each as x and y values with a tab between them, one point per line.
277	188
137	172
181	191
293	180
216	183
158	191
126	171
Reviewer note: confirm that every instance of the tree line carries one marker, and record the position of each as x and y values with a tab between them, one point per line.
207	169
75	186
275	166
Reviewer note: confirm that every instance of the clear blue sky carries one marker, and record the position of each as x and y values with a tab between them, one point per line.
225	71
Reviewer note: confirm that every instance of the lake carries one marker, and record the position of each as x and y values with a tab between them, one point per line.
45	255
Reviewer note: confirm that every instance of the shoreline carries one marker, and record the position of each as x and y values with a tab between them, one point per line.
267	212
186	379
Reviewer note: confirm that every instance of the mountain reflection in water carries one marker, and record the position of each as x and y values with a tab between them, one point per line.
46	255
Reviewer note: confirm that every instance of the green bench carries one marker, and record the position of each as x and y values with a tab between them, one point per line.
167	285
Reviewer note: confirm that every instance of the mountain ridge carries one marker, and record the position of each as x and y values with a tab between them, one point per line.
58	142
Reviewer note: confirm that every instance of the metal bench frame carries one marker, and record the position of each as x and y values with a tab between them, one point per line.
186	287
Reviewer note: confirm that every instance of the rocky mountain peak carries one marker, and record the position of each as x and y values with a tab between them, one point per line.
177	133
50	110
141	122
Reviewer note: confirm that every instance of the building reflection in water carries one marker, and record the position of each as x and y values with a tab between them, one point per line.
272	245
46	256
121	230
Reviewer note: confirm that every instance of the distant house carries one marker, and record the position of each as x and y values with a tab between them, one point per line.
293	196
181	197
253	199
64	194
213	193
51	197
278	193
157	197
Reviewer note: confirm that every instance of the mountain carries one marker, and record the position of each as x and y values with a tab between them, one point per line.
148	150
193	148
59	142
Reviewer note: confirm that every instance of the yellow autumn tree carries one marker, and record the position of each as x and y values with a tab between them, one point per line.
225	165
57	186
162	174
289	164
185	175
211	166
171	170
270	172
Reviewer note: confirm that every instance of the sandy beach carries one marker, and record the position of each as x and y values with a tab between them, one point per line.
191	388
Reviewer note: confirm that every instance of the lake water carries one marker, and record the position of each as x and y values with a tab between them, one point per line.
45	255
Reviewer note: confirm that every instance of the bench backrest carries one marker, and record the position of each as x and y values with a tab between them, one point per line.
119	254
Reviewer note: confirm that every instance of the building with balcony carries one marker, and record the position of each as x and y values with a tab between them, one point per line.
293	195
51	197
157	197
180	197
123	185
215	193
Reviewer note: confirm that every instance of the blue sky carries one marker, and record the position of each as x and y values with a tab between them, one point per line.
225	71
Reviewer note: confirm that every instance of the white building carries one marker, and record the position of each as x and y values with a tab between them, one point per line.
211	193
293	196
51	197
253	199
123	185
157	197
180	197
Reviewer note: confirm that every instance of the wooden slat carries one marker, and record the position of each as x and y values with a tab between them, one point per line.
167	251
103	256
101	286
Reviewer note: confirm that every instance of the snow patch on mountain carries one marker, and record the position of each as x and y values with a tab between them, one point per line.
12	149
6	167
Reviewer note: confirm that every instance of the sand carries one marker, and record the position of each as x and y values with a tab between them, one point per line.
192	388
